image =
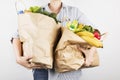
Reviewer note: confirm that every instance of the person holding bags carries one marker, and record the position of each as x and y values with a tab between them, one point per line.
64	13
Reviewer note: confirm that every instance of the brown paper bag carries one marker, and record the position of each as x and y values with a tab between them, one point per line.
38	34
67	55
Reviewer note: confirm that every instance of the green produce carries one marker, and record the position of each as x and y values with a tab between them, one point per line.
88	28
72	25
79	28
87	32
53	15
37	9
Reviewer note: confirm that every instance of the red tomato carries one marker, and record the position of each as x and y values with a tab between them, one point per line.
97	35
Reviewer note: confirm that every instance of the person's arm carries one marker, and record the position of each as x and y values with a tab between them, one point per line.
20	59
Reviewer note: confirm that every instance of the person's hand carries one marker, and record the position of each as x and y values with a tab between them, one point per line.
88	55
24	61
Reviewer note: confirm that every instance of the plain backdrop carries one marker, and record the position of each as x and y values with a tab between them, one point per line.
103	13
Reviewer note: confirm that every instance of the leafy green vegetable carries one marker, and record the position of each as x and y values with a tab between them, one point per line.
88	28
37	9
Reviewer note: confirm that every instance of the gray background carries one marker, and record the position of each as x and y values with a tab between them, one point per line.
103	13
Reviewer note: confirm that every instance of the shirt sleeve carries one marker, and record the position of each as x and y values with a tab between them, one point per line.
82	18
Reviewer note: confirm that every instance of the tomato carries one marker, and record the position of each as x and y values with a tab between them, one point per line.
97	35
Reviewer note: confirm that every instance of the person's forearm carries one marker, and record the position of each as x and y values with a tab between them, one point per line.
17	47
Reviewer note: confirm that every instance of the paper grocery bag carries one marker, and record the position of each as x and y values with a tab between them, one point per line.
38	34
68	57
